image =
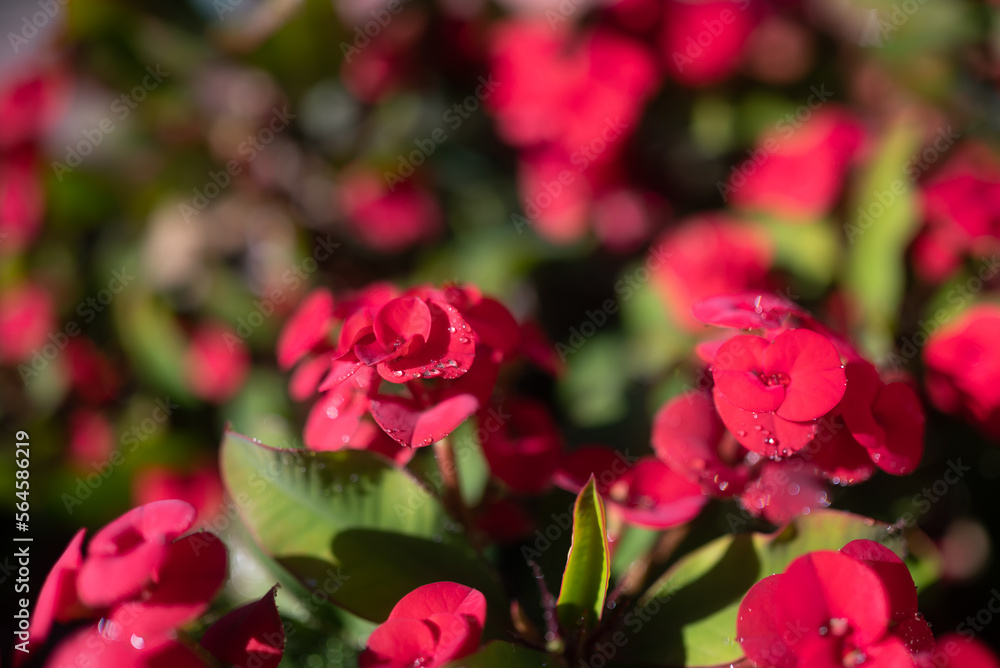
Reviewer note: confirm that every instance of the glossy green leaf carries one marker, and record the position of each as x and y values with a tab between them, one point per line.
350	525
585	580
879	226
688	617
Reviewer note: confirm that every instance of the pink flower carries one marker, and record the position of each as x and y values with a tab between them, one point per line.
217	363
388	217
429	627
27	317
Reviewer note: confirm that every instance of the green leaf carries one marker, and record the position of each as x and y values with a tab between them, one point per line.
688	617
350	525
505	655
880	224
585	580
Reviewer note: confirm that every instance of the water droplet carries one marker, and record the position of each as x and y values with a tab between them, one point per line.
794	489
332	412
397	373
463	339
138	642
741	433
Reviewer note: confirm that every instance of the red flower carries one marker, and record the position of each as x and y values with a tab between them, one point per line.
960	210
688	436
388	217
522	448
202	488
429	627
963	367
770	180
847	608
769	394
647	493
444	346
704	42
27	316
141	577
216	363
706	256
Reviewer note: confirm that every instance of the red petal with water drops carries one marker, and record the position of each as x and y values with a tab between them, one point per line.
898	409
893	573
92	648
823	586
333	420
413	428
57	600
123	556
306	328
835	452
757	628
764	433
355	327
654	495
193	571
402	320
448	353
736	371
890	653
398	643
687	433
784	490
250	635
915	633
815	376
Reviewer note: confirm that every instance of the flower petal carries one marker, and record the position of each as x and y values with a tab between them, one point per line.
736	371
898	409
893	573
816	380
250	635
307	328
438	597
400	642
764	433
413	428
757	628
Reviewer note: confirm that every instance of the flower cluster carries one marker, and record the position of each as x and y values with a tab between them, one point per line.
787	407
418	362
142	578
